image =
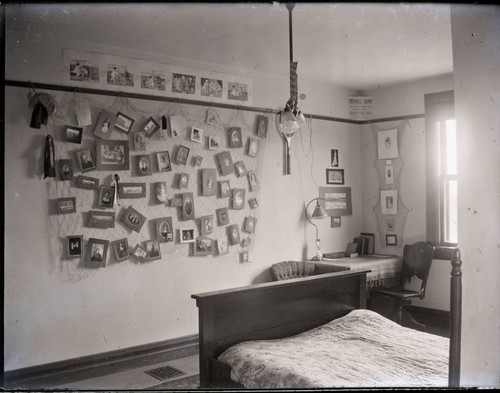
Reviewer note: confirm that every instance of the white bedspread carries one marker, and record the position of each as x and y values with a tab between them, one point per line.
361	349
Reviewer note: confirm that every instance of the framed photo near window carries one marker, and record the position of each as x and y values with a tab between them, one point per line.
222	216
131	190
391	240
164	229
187	235
206	224
234	135
389	202
241	169
105	125
187	206
132	219
234	234
213	143
150	127
238	199
183	180
224	188
334	176
153	249
261	129
249	225
225	163
140	141
66	205
65	169
196	134
182	155
334	157
88	183
143	164
203	246
99	219
253	183
164	164
222	247
123	122
121	249
73	134
106	197
387	144
208	181
85	160
112	155
74	246
336	200
97	251
253	146
140	253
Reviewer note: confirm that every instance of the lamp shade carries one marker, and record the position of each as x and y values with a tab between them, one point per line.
319	211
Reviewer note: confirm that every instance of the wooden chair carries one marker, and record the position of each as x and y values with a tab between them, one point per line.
417	260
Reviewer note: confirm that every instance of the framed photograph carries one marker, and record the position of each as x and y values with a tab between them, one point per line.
143	164
238	198
140	140
336	221
244	256
253	146
389	202
99	219
161	192
336	200
121	250
391	240
334	176
222	216
197	160
234	135
66	205
187	235
97	251
334	157
175	202
390	225
112	155
206	224
105	125
253	183
140	253
131	190
233	234
65	170
225	163
89	183
212	117
261	129
224	189
164	229
208	182
387	144
123	122
177	125
85	160
187	206
73	134
389	174
183	180
249	225
252	202
241	169
150	127
196	134
163	159
106	197
153	249
213	143
74	246
132	219
182	155
203	245
222	247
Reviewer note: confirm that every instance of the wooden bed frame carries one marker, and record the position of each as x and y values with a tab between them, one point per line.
283	308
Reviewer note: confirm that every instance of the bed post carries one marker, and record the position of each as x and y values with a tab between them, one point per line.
455	320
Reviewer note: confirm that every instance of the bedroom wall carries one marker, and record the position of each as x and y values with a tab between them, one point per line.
49	317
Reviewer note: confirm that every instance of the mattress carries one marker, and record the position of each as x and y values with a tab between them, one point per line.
360	349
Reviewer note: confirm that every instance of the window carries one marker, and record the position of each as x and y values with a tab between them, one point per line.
441	158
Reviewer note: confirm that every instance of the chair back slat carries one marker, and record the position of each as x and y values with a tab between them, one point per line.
417	261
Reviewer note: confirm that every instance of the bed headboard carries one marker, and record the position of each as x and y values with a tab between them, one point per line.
273	310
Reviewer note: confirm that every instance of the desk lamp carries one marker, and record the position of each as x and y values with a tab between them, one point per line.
319	212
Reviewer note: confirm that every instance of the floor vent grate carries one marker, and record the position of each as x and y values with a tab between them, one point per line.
165	372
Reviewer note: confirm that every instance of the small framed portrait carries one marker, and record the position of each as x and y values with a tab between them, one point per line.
208	182
206	224
213	143
391	240
334	157
249	225
150	127
153	249
99	219
253	146
143	164
132	219
261	129
203	246
74	246
196	134
163	159
234	135
123	122
187	206
131	190
390	225
252	202
73	134
97	251
225	163
140	253
389	202
233	234
222	216
164	229
389	174
224	189
106	197
65	170
187	235
105	125
387	144
241	169
175	202
334	176
244	256
238	198
182	155
183	180
212	117
336	221
222	247
85	160
89	183
112	155
121	250
253	183
161	192
140	140
197	160
66	205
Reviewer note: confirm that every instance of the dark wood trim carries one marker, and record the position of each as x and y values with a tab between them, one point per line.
455	319
92	366
444	253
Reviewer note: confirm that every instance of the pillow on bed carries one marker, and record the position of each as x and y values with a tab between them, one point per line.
292	269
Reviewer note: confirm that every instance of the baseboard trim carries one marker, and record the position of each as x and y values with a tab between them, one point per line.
101	364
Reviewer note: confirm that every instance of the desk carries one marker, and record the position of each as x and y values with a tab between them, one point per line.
385	270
